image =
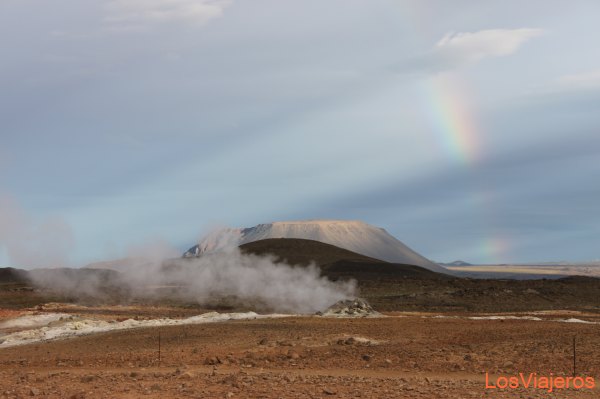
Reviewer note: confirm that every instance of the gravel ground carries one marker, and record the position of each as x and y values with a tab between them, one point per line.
407	356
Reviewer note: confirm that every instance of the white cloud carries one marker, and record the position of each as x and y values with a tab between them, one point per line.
473	46
585	80
130	14
463	48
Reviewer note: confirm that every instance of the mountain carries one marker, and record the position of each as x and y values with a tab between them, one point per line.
457	263
335	262
355	236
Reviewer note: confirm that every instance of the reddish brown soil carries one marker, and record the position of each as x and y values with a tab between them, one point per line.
395	357
10	313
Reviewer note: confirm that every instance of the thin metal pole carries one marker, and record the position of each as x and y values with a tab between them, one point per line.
574	356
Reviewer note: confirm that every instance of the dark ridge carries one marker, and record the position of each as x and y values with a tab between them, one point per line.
579	279
335	262
10	275
296	251
372	271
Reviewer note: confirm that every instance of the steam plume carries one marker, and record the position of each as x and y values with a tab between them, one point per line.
253	281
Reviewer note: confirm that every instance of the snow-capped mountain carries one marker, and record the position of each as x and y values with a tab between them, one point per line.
355	236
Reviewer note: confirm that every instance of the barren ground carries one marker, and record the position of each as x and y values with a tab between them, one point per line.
405	356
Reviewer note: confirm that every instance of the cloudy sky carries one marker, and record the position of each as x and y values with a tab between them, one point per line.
468	129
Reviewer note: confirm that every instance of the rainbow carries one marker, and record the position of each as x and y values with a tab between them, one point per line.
448	107
447	104
453	123
446	99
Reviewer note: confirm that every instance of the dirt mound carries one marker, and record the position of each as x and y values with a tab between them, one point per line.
350	308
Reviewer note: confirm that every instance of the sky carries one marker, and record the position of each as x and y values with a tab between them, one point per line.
467	129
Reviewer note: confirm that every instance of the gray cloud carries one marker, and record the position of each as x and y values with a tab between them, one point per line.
280	110
30	242
530	194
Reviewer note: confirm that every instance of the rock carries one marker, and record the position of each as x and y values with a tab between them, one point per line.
329	391
351	308
508	364
34	392
155	387
187	376
263	341
88	378
211	361
366	358
232	380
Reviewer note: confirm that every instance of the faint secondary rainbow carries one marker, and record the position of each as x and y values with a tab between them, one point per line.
495	248
453	121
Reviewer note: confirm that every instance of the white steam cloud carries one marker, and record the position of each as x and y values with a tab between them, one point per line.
228	277
277	285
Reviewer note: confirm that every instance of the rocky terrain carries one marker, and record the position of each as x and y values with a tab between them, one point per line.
417	334
408	355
